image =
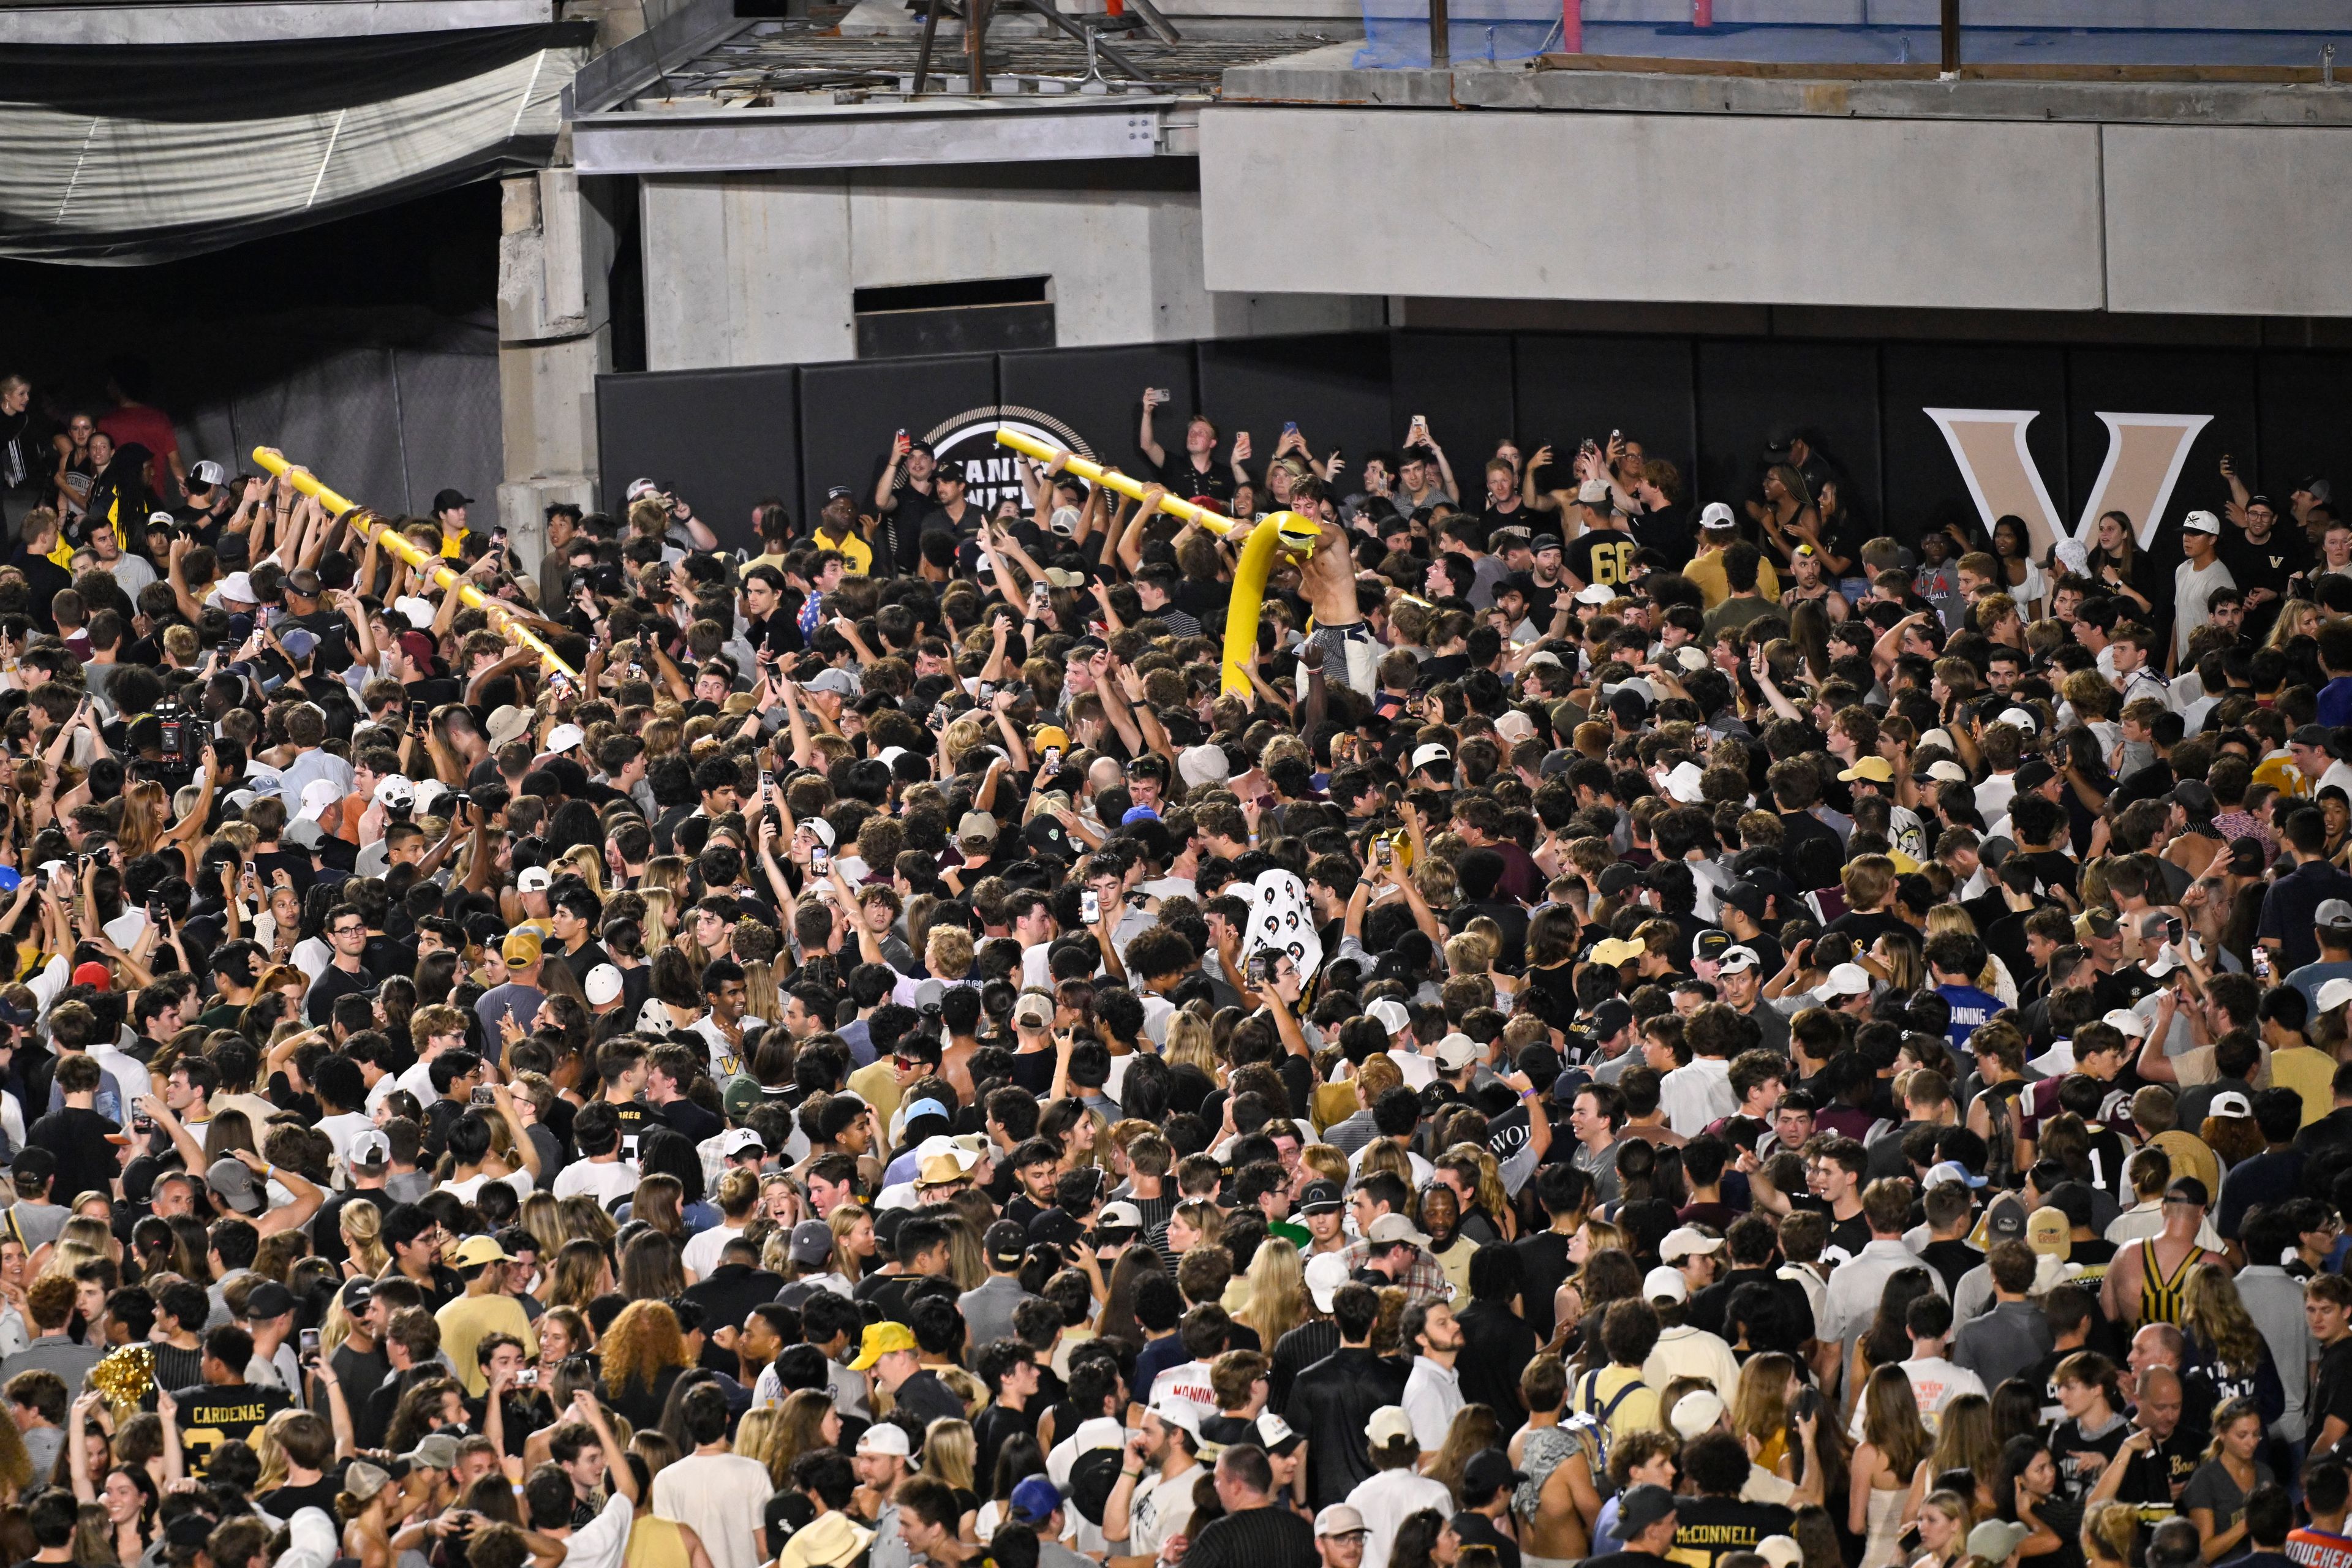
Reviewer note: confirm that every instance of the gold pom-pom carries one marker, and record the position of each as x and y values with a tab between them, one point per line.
124	1377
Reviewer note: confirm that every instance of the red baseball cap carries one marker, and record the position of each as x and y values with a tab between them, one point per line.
417	645
93	974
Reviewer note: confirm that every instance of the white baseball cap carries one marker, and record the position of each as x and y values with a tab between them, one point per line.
1325	1272
239	586
1455	1052
1715	514
1737	961
1684	1241
2334	994
883	1438
1845	980
318	796
394	790
2133	1026
2202	522
1663	1284
1178	1411
418	613
602	985
563	737
532	879
1696	1414
1388	1424
1426	754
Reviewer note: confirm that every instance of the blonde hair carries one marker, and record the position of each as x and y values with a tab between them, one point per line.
362	1224
950	1452
842	1221
1277	1302
660	908
1190	1042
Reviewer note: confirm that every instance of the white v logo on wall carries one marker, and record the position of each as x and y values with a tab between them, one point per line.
2145	456
993	472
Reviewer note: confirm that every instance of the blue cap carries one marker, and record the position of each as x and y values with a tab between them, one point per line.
301	642
1136	813
8	879
927	1108
1034	1501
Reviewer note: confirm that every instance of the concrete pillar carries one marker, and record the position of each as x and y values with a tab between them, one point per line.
555	252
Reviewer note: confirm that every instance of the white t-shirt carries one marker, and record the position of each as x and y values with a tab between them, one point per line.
720	1497
347	1125
418	1082
703	1247
1387	1500
604	1542
470	1188
605	1179
1935	1382
1160	1512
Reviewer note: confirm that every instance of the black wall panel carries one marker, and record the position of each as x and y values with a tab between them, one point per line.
850	412
1924	489
1462	381
2301	405
725	439
1748	392
1335	385
1569	388
1098	394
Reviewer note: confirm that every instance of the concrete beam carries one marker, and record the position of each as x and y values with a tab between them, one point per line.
88	24
872	136
1963	215
2273	198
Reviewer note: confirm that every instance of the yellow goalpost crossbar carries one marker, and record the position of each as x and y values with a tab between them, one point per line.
1282	532
435	569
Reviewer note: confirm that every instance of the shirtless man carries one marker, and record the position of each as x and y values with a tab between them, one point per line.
1556	1533
1329	582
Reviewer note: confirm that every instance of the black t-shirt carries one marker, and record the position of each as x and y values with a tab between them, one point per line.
319	1494
333	984
1602	557
211	1416
685	1117
2268	564
77	1137
2068	1438
2333	1396
1186	482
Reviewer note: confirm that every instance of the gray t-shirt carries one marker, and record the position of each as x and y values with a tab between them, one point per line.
2212	1487
41	1224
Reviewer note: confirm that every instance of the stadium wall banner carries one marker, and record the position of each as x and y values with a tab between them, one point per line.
1923	434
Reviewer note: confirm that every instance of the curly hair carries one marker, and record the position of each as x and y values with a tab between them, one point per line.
642	1341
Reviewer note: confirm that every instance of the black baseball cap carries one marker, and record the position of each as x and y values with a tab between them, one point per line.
1007	1243
269	1300
1320	1197
451	498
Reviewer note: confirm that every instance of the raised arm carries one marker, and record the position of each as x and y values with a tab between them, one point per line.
1147	441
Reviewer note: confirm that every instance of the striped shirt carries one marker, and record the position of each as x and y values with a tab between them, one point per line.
1270	1537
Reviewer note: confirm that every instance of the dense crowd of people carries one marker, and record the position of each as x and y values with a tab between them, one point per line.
1626	1029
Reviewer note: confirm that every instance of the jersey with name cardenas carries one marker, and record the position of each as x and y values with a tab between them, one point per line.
211	1415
